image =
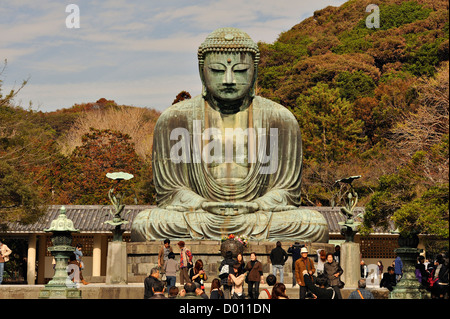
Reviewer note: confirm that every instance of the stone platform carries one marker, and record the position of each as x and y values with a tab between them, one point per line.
136	291
143	256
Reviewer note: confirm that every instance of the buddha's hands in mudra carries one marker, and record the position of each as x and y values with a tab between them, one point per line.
230	208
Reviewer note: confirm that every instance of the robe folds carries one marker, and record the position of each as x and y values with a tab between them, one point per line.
183	178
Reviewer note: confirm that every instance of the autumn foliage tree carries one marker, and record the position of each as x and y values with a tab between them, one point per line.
137	122
27	151
416	196
183	95
82	178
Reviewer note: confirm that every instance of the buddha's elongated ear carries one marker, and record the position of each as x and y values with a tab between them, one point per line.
200	69
252	92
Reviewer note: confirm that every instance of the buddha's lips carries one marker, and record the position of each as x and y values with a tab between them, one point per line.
228	90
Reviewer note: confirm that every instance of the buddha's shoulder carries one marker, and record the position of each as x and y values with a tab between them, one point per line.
182	110
273	107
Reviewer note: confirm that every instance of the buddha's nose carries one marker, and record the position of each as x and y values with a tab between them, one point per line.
229	77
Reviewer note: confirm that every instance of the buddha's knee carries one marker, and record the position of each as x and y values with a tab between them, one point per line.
299	224
158	223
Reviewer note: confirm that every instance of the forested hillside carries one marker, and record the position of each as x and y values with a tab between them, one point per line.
369	101
62	157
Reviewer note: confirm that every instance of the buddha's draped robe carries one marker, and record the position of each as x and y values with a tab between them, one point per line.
181	187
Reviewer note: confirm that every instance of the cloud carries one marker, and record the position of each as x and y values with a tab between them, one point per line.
141	52
157	93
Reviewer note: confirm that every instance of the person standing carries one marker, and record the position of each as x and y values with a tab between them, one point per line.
321	260
333	272
240	260
398	268
163	254
254	276
171	267
361	292
185	263
295	251
79	255
149	282
422	273
4	257
440	287
225	269
278	257
380	268
337	254
363	269
237	278
303	264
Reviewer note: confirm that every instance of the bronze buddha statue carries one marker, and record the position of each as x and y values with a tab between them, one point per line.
228	161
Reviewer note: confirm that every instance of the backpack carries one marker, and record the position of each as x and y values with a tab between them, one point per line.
432	281
224	271
268	293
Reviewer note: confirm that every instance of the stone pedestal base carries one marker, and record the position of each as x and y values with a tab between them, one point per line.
61	286
116	263
59	293
350	263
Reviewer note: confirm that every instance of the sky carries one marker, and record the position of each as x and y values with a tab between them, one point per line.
140	53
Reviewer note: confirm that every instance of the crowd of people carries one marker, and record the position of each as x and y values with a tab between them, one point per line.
316	280
433	275
320	279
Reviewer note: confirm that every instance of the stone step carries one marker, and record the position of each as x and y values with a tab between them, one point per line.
136	291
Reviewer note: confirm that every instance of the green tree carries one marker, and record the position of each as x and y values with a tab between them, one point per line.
396	15
428	213
20	200
404	199
353	85
329	130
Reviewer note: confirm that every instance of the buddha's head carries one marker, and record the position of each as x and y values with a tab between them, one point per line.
228	61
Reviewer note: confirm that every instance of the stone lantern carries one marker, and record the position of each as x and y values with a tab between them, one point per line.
408	287
61	287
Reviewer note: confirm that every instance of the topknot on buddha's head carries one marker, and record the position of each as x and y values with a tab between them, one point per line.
228	40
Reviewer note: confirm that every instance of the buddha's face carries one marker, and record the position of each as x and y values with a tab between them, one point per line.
228	76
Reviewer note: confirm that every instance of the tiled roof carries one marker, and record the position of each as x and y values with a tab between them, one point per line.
91	218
